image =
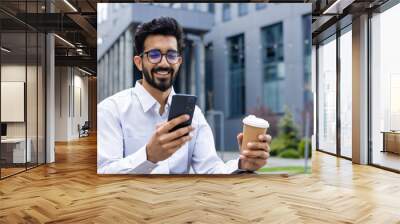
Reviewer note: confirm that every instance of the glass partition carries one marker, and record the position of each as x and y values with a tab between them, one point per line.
22	88
13	109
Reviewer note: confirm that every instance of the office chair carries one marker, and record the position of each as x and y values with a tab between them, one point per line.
84	130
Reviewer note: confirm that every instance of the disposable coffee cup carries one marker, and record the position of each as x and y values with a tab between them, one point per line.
252	128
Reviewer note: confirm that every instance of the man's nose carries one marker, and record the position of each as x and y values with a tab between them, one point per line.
163	62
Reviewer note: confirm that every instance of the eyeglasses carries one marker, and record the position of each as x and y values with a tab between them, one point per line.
155	56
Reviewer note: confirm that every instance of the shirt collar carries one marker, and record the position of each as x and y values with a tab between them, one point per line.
147	100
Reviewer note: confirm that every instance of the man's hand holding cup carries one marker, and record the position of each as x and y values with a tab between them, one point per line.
253	143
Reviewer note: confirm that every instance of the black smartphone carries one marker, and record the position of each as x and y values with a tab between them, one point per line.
182	104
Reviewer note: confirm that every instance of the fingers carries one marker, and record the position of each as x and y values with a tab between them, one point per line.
258	154
176	144
160	124
175	134
253	164
265	138
239	138
174	122
258	146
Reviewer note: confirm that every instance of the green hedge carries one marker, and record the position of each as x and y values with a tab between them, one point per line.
290	154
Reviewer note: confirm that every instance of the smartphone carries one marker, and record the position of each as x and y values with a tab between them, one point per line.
182	104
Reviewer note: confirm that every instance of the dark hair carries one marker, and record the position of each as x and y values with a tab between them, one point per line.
161	26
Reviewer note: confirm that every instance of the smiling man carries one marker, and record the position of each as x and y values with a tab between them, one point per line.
133	131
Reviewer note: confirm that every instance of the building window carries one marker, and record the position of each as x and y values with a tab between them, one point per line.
236	57
273	66
226	12
308	97
260	6
243	9
211	8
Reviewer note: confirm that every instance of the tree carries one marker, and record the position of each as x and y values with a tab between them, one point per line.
288	135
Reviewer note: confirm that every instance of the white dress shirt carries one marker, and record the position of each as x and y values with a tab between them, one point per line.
126	122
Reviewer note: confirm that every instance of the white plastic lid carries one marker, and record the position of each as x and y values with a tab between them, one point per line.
255	122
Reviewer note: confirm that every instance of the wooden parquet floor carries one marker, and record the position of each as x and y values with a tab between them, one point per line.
70	191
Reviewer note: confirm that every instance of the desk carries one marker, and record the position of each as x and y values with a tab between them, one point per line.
15	148
391	141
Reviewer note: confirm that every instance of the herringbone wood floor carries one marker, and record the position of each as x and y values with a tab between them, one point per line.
70	191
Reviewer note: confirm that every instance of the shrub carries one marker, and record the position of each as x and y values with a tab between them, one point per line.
278	145
287	137
290	153
302	145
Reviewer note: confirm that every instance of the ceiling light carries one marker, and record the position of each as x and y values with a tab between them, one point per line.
337	7
5	50
70	5
86	72
65	41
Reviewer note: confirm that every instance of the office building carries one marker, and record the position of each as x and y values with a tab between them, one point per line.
258	58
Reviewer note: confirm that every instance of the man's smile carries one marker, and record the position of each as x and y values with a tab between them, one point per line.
162	74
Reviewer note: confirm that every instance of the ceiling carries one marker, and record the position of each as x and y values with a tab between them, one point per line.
326	13
74	22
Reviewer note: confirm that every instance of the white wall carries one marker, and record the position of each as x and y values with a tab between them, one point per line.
71	87
17	73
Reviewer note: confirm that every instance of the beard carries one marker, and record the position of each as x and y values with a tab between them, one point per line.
161	84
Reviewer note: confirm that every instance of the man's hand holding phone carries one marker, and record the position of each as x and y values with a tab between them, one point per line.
164	143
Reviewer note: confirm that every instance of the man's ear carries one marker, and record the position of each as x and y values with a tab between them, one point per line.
138	62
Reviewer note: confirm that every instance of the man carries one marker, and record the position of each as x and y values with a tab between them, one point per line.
133	131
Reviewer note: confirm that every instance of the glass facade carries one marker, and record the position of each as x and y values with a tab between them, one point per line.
236	57
327	95
273	66
22	76
385	89
346	92
335	98
307	40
